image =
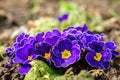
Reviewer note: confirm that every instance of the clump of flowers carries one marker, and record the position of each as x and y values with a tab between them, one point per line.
62	48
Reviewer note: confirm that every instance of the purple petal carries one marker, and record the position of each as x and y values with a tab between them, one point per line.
84	28
52	40
24	69
110	45
46	47
26	35
18	60
23	52
60	19
71	37
79	28
74	42
56	32
64	44
104	65
96	46
55	39
90	32
39	37
48	40
106	55
83	39
71	27
65	16
90	38
16	45
115	53
56	52
57	62
68	61
48	34
10	52
23	42
20	37
100	37
76	53
73	31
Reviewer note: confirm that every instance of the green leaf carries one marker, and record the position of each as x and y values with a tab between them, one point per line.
40	71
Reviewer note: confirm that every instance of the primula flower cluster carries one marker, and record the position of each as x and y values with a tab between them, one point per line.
62	48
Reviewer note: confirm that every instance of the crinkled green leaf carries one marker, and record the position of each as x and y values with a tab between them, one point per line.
40	71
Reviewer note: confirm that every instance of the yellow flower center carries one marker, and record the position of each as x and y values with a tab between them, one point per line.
47	55
66	54
98	56
29	57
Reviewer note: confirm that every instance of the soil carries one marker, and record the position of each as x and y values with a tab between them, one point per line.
10	73
13	14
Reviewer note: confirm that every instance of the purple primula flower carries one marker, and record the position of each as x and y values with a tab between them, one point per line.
65	53
52	37
43	51
24	55
23	50
63	17
21	40
98	56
